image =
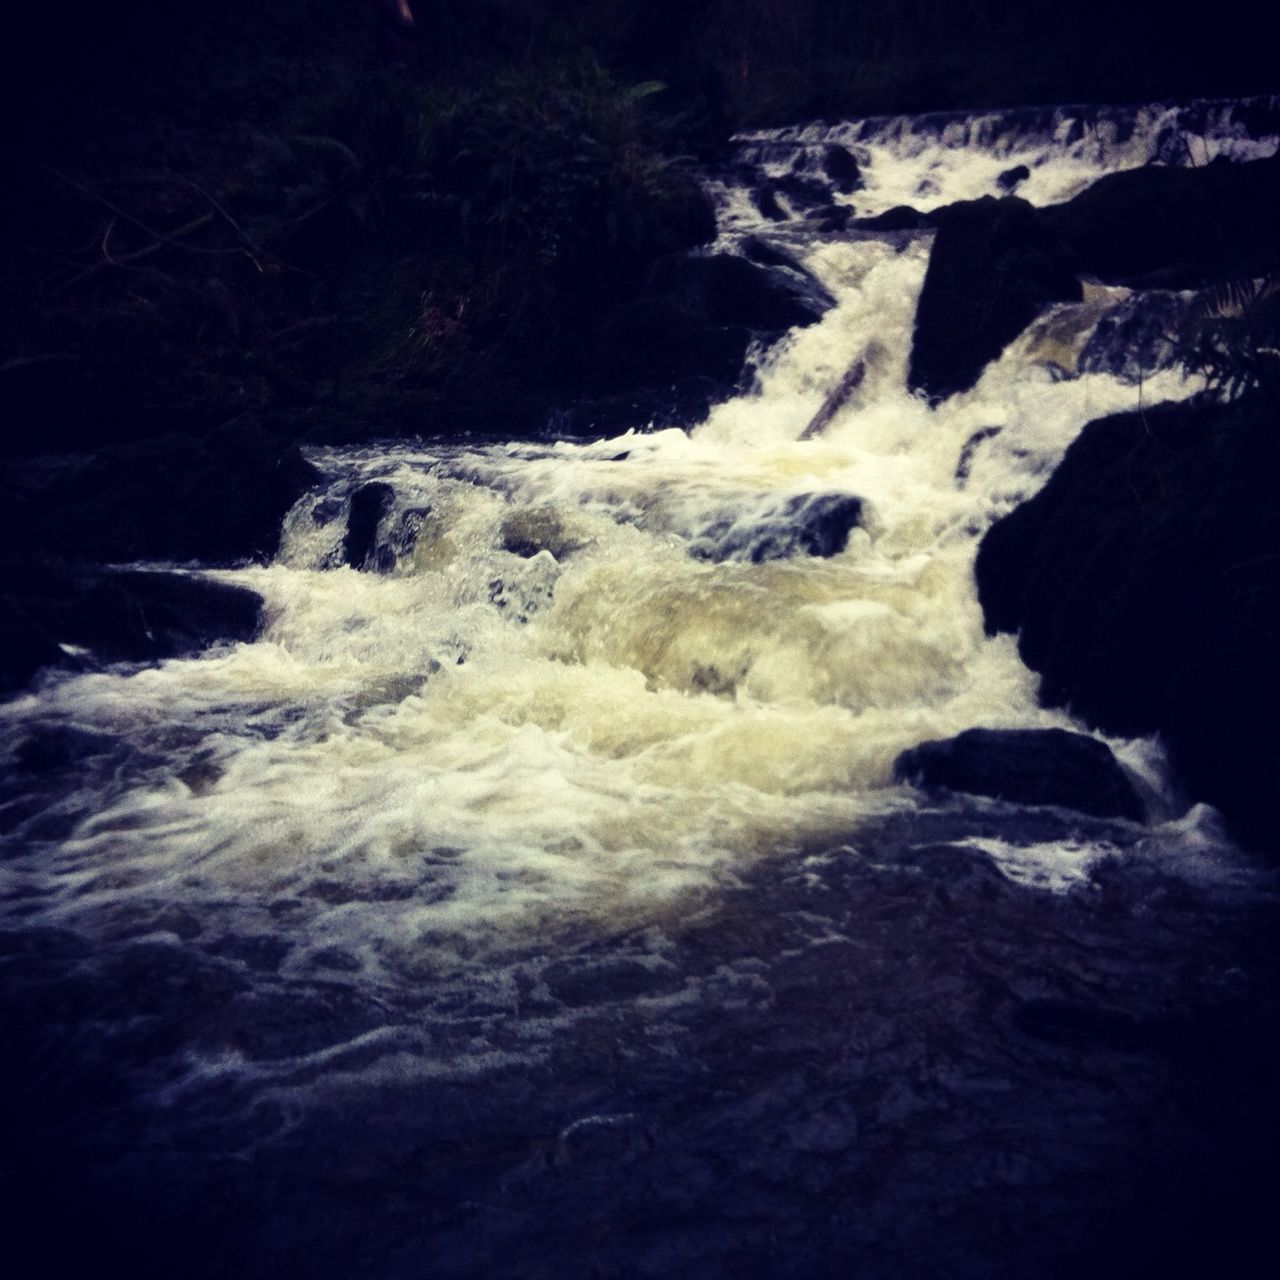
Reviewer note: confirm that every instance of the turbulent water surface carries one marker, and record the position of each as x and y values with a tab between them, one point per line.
543	904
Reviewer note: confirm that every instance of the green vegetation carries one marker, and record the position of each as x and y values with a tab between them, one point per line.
363	251
272	213
1233	337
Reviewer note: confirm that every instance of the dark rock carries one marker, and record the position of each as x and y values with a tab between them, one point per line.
964	464
696	321
117	616
1175	228
840	165
178	613
1011	178
683	403
765	198
689	215
732	291
25	647
995	266
831	217
802	192
901	217
760	251
808	524
657	342
219	498
369	504
1142	584
1138	337
1025	766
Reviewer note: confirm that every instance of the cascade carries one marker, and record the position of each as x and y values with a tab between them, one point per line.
593	745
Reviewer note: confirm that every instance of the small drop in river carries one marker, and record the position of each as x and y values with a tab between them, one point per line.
541	891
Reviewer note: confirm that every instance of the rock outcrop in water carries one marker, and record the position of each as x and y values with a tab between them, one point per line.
218	498
996	264
1025	766
1174	228
113	616
1142	582
807	524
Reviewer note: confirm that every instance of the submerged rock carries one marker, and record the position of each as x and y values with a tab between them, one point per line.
902	217
808	524
841	166
1142	583
1025	766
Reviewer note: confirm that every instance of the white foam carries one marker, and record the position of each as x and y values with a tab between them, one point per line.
482	745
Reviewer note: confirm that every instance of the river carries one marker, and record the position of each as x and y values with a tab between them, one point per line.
543	903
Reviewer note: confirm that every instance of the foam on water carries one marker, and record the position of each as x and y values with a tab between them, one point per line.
560	707
929	161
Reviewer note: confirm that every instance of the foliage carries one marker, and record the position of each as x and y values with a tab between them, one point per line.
1233	338
531	199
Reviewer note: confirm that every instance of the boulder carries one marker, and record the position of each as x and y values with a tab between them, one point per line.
369	504
1142	584
841	167
802	191
1025	766
807	524
729	290
902	217
765	198
696	319
995	266
1009	179
1175	228
217	497
830	217
128	615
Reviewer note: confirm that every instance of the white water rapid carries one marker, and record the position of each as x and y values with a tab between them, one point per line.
582	697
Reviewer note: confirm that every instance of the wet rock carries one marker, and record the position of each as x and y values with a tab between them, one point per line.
841	166
808	524
730	290
369	504
695	322
117	615
901	217
218	497
1175	228
1025	766
758	250
964	464
1140	336
25	647
802	192
831	217
1009	179
1142	584
765	198
995	266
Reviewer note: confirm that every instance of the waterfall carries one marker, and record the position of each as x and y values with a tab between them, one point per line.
585	690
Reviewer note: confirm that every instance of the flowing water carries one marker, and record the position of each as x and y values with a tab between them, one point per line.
542	903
